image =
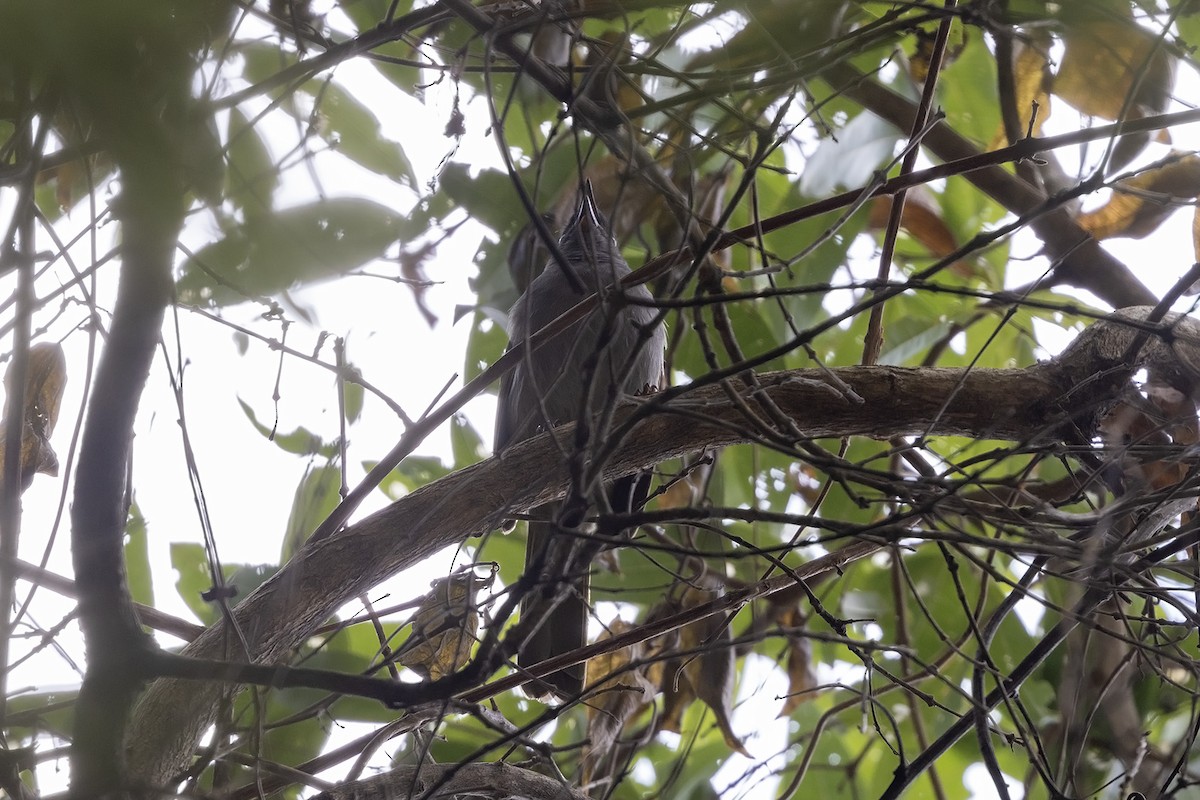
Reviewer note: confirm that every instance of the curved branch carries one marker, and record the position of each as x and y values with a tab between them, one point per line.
1056	400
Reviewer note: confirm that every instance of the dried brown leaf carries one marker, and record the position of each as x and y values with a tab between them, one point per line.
621	693
46	377
921	220
706	671
802	678
444	627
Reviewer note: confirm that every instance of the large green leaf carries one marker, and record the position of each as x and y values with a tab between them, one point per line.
354	130
288	249
316	496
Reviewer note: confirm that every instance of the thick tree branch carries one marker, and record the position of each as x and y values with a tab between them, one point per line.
1057	400
448	780
115	641
1082	261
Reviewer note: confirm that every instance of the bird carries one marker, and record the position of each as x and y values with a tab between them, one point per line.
616	350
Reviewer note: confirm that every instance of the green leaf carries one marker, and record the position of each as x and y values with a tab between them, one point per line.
316	496
301	441
862	146
353	130
252	177
465	441
263	60
137	557
969	92
413	473
488	196
288	249
245	578
352	395
194	579
486	342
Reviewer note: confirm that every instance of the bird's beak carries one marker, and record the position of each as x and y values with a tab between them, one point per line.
587	214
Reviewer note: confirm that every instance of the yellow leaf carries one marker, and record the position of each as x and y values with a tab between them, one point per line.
918	65
1141	203
1030	72
1105	59
1196	234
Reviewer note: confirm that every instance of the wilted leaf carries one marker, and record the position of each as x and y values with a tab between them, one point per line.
46	376
445	626
706	668
802	679
1141	203
918	64
920	219
621	693
287	249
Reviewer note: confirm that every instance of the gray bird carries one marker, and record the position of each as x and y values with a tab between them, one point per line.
621	348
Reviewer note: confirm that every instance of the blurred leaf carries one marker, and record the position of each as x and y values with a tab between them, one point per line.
488	196
485	343
1106	58
353	394
622	691
316	496
252	176
245	578
1195	239
352	129
288	249
968	92
366	14
1031	78
920	219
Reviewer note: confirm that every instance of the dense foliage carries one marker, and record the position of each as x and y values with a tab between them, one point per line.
878	587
